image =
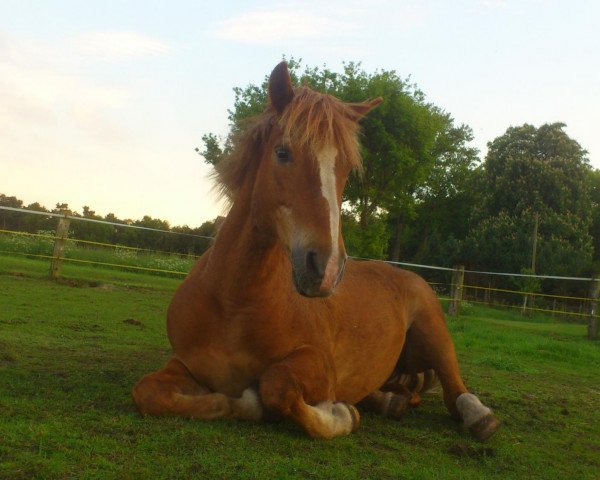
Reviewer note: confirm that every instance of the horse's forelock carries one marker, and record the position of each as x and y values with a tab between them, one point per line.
312	120
318	121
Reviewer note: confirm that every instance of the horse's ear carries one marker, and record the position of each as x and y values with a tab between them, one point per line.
361	109
280	87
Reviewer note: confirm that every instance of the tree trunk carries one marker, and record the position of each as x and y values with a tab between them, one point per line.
524	307
364	215
397	232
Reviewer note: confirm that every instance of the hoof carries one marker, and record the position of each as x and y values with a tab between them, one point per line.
397	406
484	428
354	415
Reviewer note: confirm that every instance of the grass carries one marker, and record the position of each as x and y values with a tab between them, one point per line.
71	351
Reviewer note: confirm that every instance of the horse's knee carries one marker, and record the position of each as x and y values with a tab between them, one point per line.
305	375
150	396
279	389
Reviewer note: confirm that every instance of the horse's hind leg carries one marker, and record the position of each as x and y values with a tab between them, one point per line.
388	404
399	393
301	387
173	391
429	345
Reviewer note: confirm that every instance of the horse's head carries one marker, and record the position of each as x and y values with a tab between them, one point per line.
306	146
312	149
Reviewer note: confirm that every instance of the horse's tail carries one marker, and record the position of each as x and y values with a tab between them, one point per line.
413	382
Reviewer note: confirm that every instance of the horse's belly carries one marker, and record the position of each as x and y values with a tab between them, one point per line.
357	380
366	355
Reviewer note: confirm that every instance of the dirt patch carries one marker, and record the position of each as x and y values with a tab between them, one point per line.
14	274
78	283
84	327
378	446
14	321
133	321
462	450
7	359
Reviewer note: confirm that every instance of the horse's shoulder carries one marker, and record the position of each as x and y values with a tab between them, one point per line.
191	295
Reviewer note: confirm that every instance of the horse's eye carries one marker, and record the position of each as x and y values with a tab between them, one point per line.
283	154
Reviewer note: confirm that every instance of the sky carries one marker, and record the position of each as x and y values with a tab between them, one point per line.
103	102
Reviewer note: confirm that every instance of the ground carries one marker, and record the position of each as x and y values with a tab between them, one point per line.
71	351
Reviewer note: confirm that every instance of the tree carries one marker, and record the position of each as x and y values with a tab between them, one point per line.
91	231
595	228
531	171
540	168
527	284
110	234
403	141
444	202
10	220
37	223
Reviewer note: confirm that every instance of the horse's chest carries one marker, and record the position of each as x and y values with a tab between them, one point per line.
228	353
225	372
225	364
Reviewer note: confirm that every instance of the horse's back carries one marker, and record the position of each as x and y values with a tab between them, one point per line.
373	279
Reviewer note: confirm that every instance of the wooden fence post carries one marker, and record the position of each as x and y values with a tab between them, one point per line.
593	320
458	277
62	232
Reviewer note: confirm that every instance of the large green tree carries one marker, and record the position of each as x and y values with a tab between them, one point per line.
595	228
534	172
406	143
444	202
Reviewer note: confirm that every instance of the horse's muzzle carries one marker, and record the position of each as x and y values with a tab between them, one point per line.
315	274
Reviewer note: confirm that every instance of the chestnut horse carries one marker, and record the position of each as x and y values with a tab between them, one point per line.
265	325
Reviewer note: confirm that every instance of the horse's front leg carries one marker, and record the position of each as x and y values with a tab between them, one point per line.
173	391
301	387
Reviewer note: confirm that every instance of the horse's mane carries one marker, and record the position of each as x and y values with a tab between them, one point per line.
312	119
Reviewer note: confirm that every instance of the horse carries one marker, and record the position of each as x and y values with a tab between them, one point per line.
274	320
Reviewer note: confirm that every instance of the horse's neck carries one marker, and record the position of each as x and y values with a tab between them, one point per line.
246	261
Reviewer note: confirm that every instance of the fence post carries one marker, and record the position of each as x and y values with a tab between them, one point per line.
593	320
487	297
458	277
62	231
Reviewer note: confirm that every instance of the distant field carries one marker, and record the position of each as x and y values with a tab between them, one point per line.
82	253
71	351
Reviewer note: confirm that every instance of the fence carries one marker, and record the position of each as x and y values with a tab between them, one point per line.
58	245
573	298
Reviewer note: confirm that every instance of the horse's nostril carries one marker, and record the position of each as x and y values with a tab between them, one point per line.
314	268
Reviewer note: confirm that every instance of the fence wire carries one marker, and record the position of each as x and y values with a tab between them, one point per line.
442	288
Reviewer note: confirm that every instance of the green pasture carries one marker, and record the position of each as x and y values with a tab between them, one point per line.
70	352
103	256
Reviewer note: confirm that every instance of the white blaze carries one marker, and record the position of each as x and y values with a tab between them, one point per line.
326	159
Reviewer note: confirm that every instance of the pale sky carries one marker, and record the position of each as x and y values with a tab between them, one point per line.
102	103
